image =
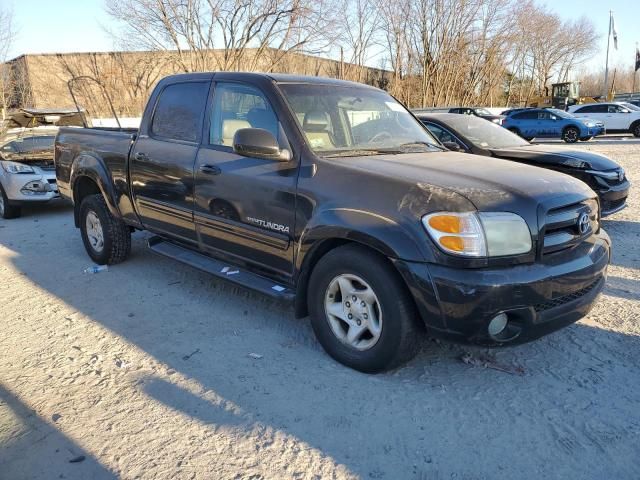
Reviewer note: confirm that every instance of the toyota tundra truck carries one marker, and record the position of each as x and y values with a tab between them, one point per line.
333	196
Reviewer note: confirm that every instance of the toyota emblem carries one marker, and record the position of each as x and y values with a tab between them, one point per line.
583	223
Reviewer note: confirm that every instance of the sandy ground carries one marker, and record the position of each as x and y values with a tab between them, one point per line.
144	372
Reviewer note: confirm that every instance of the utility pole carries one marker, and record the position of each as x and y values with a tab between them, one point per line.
635	70
606	69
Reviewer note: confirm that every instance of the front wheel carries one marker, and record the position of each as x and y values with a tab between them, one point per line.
361	311
8	211
571	135
106	238
635	129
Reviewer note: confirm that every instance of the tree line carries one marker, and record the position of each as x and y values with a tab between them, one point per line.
432	52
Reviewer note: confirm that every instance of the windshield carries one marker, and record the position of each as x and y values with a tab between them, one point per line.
560	113
485	134
630	106
482	111
352	121
30	144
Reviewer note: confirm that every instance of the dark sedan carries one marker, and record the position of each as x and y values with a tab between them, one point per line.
474	135
474	111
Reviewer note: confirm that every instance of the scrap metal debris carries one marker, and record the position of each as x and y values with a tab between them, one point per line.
486	362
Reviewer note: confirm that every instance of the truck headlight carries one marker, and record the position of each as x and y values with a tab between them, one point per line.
14	167
479	234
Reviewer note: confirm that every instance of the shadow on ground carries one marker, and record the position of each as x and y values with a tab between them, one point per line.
34	448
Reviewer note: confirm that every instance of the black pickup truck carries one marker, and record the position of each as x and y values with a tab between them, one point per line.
332	195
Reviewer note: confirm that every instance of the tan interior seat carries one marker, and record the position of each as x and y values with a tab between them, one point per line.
229	129
316	129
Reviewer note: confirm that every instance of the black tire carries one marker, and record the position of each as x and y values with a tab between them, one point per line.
635	129
585	139
399	338
8	211
571	134
116	235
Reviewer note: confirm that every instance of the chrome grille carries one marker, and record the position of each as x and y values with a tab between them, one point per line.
568	226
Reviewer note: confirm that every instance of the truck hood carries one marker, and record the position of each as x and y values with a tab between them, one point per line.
490	184
553	155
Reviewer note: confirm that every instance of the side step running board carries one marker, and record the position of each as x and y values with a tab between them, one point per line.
221	269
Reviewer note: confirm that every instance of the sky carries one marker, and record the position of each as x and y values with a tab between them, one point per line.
58	26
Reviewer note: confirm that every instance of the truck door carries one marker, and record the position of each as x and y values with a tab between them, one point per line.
244	206
163	157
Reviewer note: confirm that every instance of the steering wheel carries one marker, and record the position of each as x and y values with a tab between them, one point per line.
380	136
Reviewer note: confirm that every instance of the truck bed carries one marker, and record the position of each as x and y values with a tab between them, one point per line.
109	146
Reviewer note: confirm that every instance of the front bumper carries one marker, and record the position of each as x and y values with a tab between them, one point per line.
458	304
595	131
30	187
613	198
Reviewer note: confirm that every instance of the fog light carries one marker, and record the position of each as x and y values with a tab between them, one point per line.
498	324
35	187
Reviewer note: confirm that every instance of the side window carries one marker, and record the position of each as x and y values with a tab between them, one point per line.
593	109
442	134
237	106
526	116
179	111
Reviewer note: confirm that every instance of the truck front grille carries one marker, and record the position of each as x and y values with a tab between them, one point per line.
570	225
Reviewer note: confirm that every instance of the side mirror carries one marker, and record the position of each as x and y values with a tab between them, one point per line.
453	146
259	143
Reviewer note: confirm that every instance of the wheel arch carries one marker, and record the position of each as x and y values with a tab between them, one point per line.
89	176
317	242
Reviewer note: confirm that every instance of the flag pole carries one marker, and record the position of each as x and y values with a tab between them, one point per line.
606	69
635	72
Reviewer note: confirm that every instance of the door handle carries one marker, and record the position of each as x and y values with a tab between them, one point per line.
141	156
210	169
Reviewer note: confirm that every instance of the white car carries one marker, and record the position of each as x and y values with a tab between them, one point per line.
27	172
616	116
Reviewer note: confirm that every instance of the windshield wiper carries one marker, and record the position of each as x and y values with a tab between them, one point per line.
357	153
426	144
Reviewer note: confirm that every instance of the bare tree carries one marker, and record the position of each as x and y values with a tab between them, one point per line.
224	34
7	34
359	22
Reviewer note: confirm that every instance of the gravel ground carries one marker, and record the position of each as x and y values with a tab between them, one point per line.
144	372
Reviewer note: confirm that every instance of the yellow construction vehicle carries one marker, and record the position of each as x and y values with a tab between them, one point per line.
565	94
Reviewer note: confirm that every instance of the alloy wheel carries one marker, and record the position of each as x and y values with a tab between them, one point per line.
353	311
94	230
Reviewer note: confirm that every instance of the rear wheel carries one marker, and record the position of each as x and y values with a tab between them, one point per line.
106	238
361	311
635	129
571	134
8	211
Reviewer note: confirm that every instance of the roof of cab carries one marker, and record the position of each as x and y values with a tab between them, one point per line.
276	77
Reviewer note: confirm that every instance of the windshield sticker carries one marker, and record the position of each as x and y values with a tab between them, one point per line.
395	107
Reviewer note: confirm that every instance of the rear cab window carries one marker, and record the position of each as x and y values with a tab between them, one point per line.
179	110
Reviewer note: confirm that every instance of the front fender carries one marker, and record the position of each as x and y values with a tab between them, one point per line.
89	165
380	233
